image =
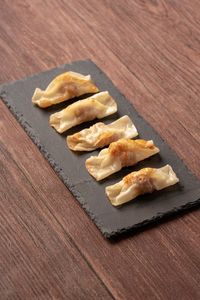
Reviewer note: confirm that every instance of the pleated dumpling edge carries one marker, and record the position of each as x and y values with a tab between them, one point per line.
64	87
119	154
97	106
100	135
140	182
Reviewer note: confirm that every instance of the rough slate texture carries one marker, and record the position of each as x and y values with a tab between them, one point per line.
70	166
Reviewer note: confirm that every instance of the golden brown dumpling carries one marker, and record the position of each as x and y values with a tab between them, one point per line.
141	182
97	106
123	153
100	135
64	87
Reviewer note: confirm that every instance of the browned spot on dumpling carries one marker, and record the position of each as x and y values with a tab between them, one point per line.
125	145
69	88
85	112
74	138
145	144
142	179
106	138
117	148
123	149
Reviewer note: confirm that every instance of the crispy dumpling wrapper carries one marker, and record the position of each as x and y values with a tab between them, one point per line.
64	87
97	106
141	182
100	135
123	153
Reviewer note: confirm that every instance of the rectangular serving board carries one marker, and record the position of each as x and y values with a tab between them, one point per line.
70	166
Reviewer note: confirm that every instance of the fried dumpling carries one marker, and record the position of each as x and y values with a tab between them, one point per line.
100	135
97	106
64	87
122	153
141	182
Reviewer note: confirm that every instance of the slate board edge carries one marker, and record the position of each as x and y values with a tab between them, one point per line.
30	132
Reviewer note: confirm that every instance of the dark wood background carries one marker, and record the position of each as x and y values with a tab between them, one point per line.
49	248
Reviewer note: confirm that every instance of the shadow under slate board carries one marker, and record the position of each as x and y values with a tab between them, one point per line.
70	166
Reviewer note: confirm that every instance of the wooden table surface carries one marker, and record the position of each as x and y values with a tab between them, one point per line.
49	248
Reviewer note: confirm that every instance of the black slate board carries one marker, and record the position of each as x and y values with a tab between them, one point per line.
71	166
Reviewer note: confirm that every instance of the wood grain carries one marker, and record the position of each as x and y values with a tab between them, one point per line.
39	260
49	248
